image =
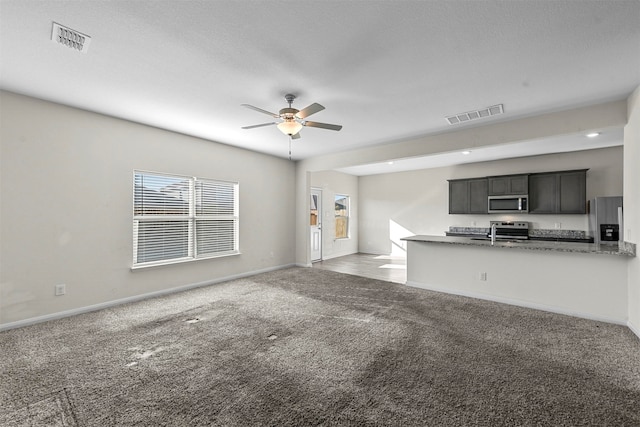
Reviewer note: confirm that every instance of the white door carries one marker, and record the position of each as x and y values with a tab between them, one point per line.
315	224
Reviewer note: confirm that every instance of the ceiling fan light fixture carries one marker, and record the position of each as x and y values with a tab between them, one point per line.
289	127
293	120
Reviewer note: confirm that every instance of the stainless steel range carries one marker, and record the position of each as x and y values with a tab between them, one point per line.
506	230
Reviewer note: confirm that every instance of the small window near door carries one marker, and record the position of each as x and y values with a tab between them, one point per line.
342	216
314	210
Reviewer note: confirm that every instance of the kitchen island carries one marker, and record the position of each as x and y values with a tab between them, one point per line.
578	279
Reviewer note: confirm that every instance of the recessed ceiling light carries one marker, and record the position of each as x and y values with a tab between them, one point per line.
389	163
467	152
593	134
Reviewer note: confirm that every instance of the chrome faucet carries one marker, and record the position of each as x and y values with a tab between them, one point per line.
493	233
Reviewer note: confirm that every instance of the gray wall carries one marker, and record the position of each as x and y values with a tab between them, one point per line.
66	211
416	202
632	204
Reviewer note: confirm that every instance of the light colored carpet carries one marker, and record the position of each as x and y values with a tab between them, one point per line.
303	346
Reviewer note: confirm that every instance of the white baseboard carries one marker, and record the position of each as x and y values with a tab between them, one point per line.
519	303
108	304
634	329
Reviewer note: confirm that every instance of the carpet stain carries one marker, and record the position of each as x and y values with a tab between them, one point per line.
142	354
354	319
54	410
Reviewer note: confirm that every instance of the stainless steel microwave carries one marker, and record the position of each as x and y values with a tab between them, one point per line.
509	204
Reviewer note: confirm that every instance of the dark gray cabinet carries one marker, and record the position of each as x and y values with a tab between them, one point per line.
508	185
558	192
468	196
543	193
563	192
459	196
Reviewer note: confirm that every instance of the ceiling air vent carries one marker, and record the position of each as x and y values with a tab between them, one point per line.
70	38
477	114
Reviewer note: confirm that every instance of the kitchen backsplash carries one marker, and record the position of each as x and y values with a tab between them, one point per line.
563	234
551	233
469	230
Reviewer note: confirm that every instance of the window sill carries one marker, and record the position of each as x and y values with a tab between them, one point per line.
181	261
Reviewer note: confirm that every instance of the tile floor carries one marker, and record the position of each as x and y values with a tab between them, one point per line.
382	267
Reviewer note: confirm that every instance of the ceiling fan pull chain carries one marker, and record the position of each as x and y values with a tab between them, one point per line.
289	147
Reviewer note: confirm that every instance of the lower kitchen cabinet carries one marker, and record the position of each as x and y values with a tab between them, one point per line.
558	192
468	196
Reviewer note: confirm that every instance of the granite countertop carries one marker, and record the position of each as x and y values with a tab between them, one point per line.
621	249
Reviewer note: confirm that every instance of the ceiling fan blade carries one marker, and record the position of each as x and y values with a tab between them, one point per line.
311	109
260	125
322	125
260	110
296	136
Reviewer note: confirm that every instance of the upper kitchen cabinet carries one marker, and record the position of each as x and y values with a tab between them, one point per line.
558	192
468	196
508	185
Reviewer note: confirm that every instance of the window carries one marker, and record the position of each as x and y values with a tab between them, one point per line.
180	218
342	216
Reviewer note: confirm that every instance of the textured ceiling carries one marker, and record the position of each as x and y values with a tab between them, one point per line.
385	70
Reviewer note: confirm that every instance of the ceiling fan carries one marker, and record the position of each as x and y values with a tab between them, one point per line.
292	119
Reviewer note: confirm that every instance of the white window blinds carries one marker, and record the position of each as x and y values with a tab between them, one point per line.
178	218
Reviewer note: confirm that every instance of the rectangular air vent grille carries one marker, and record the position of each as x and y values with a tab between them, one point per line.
70	38
477	114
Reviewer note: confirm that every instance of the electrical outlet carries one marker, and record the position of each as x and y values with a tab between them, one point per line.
61	289
482	276
558	225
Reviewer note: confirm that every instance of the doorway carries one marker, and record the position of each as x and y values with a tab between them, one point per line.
315	224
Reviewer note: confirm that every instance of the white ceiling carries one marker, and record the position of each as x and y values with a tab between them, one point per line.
385	70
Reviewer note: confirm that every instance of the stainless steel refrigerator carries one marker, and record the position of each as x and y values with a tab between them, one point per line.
605	219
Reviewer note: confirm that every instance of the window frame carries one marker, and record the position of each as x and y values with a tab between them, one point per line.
192	218
347	217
